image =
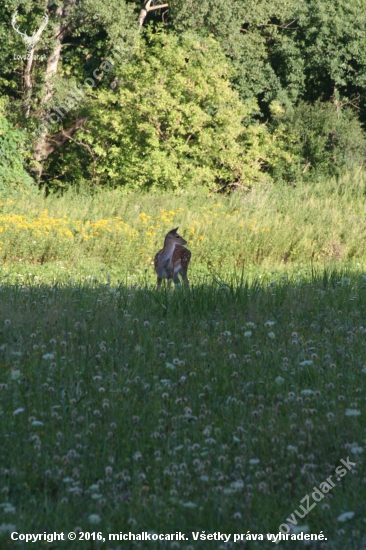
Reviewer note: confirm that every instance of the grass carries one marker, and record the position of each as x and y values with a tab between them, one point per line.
217	409
323	222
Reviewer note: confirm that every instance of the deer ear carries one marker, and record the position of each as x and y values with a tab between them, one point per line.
174	230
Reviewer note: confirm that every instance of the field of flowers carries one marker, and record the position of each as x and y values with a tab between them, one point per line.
219	409
267	228
224	408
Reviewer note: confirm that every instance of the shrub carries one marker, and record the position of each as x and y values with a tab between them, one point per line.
323	141
13	154
174	121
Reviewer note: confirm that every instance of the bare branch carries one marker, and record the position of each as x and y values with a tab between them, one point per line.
147	8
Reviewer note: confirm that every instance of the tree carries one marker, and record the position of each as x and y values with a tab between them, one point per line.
175	121
79	35
286	50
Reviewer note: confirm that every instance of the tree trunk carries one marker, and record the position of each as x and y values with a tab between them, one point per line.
28	84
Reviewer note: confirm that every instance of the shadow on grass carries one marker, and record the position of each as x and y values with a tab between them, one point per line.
186	409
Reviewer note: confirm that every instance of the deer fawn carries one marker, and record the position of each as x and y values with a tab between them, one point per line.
172	260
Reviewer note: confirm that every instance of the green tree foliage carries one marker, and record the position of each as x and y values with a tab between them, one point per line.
286	50
13	155
175	121
306	58
321	141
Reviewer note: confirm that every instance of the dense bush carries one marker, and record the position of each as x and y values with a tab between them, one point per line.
13	153
322	140
175	121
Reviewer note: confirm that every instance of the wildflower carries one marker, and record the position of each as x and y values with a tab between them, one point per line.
48	356
306	363
269	324
356	449
279	380
18	411
247	333
345	516
352	412
271	335
254	461
94	519
7	322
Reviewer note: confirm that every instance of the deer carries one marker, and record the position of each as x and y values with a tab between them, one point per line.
172	260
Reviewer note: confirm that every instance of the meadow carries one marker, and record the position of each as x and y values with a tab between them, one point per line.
267	227
214	409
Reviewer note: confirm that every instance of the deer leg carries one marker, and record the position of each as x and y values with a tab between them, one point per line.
185	279
159	283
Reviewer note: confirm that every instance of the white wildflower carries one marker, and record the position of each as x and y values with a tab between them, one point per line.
345	516
94	518
352	412
189	504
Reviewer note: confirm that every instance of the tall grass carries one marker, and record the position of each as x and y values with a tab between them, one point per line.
268	226
214	409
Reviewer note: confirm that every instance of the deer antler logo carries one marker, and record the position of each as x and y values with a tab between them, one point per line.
30	41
